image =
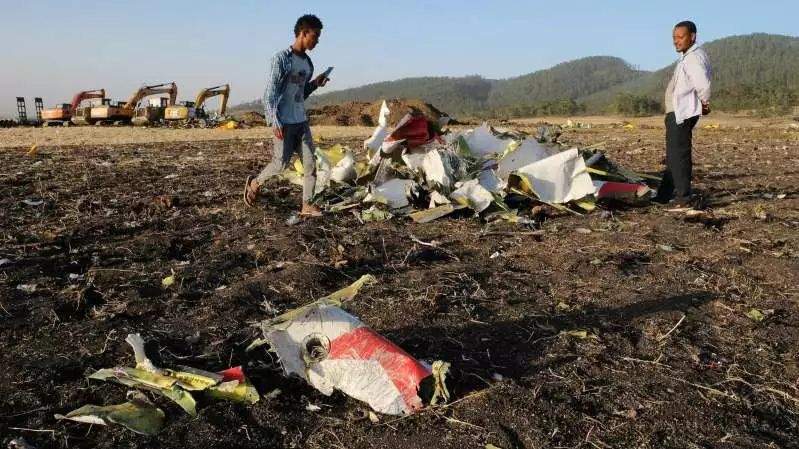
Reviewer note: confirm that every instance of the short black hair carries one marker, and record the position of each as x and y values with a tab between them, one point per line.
687	24
307	22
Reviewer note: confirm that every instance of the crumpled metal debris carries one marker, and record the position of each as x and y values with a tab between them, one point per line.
177	384
394	193
482	142
472	194
138	415
381	132
415	169
559	178
333	350
334	164
530	151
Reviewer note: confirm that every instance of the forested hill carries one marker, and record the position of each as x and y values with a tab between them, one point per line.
756	71
475	95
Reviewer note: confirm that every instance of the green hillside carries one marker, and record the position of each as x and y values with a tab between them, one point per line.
756	71
476	95
465	94
569	80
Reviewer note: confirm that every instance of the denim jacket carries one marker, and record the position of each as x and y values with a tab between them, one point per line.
280	68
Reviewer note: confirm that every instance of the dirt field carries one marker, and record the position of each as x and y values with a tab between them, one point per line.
670	358
55	137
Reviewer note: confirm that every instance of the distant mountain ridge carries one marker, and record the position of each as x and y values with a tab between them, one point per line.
756	71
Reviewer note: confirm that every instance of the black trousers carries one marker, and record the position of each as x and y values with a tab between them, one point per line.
676	182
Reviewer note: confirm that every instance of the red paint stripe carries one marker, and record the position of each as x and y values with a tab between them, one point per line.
404	371
235	373
620	190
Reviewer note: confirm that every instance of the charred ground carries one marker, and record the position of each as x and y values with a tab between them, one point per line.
669	358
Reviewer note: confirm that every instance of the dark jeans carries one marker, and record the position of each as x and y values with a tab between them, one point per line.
676	182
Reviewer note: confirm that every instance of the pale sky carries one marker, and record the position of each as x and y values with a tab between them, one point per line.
53	49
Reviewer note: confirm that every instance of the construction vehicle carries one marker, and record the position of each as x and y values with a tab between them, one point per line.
123	112
151	113
63	113
189	111
154	112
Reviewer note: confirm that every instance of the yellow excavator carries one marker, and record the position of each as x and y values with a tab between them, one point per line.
154	111
124	112
189	111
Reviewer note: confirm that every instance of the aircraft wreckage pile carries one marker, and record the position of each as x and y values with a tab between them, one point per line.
416	169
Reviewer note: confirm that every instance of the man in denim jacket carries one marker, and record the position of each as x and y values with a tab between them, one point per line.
288	85
687	98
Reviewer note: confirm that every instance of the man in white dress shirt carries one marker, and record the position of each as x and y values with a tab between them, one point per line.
687	98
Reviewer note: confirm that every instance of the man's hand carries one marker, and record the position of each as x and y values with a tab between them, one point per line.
705	108
321	80
278	132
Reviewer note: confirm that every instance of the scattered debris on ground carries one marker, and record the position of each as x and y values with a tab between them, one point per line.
139	414
625	327
420	169
333	350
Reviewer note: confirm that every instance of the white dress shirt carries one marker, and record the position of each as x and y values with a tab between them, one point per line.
691	84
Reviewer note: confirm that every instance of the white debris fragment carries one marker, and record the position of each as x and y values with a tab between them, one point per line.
335	164
393	193
437	199
559	178
30	202
142	361
344	170
491	182
482	142
381	132
472	194
333	350
293	219
528	152
414	157
27	288
312	407
442	168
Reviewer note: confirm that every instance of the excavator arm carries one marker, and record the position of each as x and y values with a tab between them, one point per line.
211	92
146	91
85	95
